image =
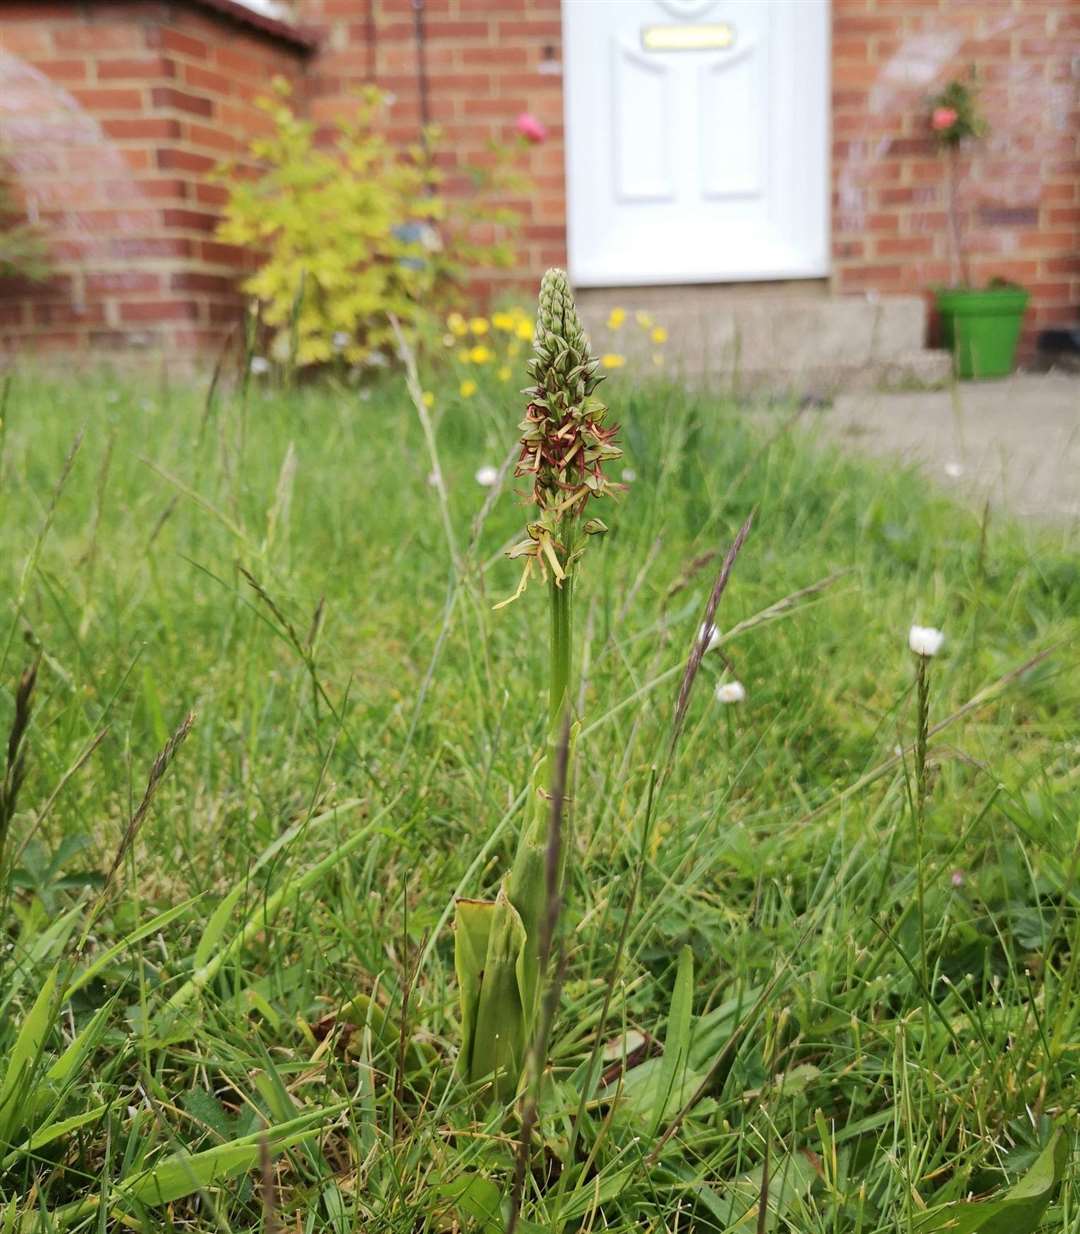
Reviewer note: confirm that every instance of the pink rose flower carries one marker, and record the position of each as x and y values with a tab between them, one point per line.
943	118
530	128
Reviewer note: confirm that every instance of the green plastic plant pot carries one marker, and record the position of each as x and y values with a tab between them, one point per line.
981	328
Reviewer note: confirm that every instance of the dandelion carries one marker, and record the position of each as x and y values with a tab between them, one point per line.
480	354
486	477
658	334
457	325
612	359
524	331
925	640
428	399
479	325
615	318
503	372
503	322
259	365
643	319
467	388
730	692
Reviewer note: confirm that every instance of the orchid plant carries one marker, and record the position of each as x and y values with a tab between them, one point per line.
500	944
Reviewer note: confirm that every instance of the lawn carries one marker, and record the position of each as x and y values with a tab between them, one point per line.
235	1009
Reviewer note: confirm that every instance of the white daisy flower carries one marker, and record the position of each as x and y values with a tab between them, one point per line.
925	640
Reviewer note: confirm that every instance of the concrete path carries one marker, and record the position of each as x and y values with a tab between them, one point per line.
1015	441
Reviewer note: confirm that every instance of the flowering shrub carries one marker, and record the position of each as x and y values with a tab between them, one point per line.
353	232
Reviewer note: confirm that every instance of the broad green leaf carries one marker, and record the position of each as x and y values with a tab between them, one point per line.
499	1034
23	1058
477	1199
472	926
1019	1211
666	1099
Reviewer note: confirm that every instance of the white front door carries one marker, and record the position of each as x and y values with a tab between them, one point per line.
697	140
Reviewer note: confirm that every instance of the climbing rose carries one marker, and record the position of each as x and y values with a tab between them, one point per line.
530	128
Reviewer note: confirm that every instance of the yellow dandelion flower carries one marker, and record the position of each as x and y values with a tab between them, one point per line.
615	318
643	319
612	360
504	372
457	324
524	329
480	354
479	325
467	388
503	322
658	335
428	399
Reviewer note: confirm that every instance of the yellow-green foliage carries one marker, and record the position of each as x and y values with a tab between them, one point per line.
351	232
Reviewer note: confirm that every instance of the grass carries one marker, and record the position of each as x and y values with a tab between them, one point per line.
364	731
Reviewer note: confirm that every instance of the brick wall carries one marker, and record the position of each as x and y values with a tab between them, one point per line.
111	116
487	61
1020	188
112	113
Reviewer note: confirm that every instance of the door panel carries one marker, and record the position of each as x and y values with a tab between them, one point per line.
697	139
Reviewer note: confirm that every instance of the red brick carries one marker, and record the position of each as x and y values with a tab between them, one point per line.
170	159
150	67
109	99
116	36
57	70
159	310
68	314
140	128
181	100
176	41
122	281
193	280
188	220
